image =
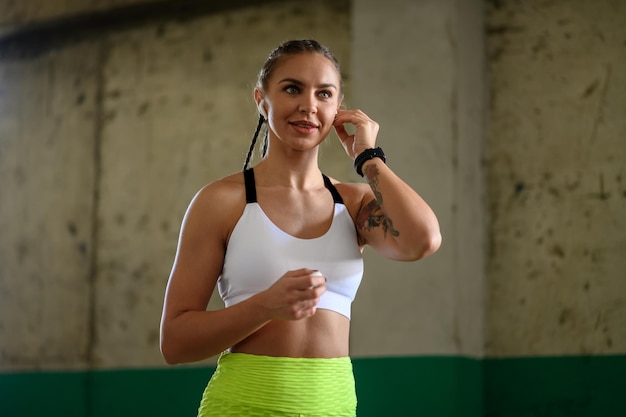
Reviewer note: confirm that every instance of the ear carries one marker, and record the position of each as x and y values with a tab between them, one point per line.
260	103
261	107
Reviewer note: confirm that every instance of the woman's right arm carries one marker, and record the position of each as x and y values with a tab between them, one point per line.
189	333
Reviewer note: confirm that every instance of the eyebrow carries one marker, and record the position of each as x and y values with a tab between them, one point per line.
300	83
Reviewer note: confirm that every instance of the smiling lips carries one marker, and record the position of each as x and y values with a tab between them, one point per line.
303	126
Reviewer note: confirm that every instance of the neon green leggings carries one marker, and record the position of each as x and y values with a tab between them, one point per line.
246	385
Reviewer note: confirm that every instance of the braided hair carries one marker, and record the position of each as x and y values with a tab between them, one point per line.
292	47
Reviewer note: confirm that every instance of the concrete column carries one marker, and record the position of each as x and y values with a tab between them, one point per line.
557	199
418	71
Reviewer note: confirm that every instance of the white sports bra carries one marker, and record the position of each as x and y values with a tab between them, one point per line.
258	253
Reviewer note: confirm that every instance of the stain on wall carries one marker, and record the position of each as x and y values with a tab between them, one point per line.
556	167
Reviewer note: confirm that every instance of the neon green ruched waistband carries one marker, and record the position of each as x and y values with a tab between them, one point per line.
294	386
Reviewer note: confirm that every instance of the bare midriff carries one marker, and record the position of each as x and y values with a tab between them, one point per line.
323	335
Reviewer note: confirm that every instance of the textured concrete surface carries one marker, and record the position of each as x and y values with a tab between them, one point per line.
557	177
421	77
172	109
104	140
47	178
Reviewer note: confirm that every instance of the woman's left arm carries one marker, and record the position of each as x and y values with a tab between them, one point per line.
393	218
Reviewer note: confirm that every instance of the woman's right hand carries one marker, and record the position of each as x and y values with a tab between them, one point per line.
295	295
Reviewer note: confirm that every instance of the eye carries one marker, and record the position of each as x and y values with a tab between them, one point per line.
291	89
325	94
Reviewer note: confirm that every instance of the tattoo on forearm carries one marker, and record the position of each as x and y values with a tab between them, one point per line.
372	215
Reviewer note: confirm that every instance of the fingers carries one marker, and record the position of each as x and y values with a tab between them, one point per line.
298	294
302	311
305	278
364	136
304	304
355	117
341	132
310	288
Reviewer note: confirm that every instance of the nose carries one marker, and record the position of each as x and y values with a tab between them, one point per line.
308	104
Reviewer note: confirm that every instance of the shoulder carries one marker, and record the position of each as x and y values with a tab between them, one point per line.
218	204
353	194
227	190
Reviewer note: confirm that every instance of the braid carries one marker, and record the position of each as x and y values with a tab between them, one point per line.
266	143
256	133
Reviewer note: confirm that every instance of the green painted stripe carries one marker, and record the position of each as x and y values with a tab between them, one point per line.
105	393
574	386
43	394
431	386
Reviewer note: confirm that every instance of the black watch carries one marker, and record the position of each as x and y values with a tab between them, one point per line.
365	156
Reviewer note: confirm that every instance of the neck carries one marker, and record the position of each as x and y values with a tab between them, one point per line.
295	171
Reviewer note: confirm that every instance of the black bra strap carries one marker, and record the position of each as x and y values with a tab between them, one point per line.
248	176
336	196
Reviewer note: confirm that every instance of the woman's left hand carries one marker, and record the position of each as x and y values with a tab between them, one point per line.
364	136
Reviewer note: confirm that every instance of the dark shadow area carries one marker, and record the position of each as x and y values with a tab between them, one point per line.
32	40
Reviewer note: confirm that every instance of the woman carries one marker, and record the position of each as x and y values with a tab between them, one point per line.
283	242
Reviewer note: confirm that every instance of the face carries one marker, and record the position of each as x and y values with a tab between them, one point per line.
301	99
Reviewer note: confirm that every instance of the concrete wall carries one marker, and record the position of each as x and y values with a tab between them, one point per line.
47	178
133	106
106	136
422	77
153	111
113	113
557	177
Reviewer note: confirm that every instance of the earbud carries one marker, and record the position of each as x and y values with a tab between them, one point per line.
261	107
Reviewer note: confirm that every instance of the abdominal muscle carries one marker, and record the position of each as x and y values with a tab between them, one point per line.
323	335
